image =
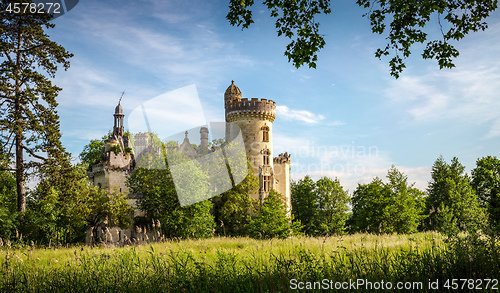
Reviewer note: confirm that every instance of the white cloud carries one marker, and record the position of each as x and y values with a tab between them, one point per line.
494	129
466	94
300	115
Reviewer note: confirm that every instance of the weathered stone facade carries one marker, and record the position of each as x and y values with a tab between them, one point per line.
255	119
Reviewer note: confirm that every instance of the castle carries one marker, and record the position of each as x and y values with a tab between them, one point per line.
255	119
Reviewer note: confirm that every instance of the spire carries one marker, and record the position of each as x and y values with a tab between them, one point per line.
232	93
118	127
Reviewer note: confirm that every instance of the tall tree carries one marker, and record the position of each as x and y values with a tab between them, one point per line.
486	183
271	220
332	205
29	120
159	198
405	21
452	204
305	203
381	207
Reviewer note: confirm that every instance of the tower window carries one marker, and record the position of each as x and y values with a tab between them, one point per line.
265	133
267	183
266	157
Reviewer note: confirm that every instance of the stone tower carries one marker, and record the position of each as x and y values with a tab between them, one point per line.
116	164
255	119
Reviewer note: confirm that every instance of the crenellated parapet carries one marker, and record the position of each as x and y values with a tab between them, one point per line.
240	109
282	159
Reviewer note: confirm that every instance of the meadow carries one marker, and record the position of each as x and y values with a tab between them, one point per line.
353	263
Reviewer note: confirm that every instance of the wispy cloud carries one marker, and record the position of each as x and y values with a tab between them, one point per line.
494	130
467	94
300	115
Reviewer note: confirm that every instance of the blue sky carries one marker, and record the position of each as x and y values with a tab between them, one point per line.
348	118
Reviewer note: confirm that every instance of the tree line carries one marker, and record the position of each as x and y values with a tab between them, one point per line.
63	204
452	202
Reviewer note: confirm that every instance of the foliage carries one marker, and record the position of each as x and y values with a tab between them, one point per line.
28	116
159	200
332	206
321	206
116	149
108	210
57	206
232	208
452	204
91	153
63	206
390	207
486	184
294	20
406	21
249	265
304	203
228	170
271	220
8	207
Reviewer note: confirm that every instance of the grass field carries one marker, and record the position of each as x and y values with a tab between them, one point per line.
359	263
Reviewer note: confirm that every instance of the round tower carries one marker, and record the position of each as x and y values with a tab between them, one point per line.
204	138
118	127
255	119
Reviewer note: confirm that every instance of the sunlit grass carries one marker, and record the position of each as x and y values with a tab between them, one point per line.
222	264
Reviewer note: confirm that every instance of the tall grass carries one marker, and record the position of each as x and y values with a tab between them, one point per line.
245	265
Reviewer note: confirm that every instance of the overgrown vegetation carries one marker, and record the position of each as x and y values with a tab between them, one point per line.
248	265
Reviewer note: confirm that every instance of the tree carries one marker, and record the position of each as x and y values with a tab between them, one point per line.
408	202
232	209
368	207
332	206
28	104
91	153
321	206
486	183
159	201
8	207
405	20
271	220
390	207
452	204
305	204
108	210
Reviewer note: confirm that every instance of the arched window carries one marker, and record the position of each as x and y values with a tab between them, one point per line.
267	183
266	155
265	133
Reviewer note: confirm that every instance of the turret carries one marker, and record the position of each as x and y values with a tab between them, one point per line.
204	138
232	94
118	127
255	119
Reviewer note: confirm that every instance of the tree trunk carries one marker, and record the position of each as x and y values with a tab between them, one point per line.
18	130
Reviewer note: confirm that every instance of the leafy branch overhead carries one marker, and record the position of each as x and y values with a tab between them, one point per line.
404	20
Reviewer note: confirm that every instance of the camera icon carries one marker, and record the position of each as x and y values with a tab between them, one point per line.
203	161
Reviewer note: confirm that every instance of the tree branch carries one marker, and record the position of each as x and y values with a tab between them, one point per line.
33	154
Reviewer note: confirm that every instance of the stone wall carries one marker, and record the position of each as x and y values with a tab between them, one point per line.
282	181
